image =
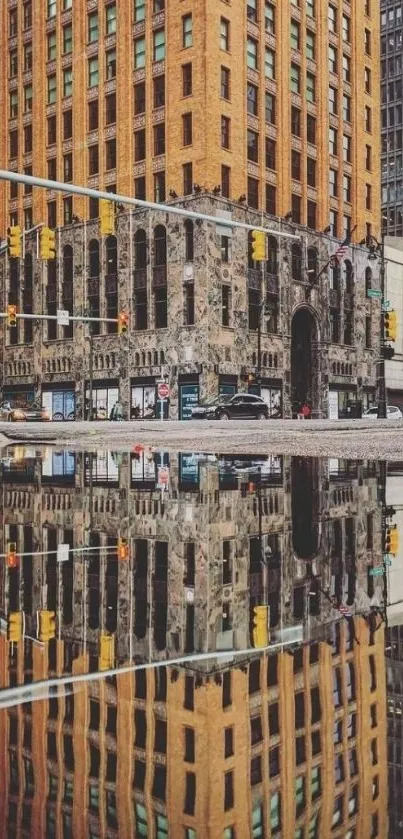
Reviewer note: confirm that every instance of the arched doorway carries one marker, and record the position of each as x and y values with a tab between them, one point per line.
304	385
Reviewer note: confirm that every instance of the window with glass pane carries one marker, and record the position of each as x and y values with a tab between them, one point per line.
333	100
251	54
27	98
275	812
187	31
347	69
111	64
270	108
310	87
28	56
111	19
269	64
346	108
270	18
51	46
332	59
310	8
310	45
139	53
139	10
141	820
159	45
315	783
51	89
295	35
332	18
93	27
253	146
224	34
93	72
51	8
225	83
68	82
67	39
346	29
295	78
332	141
257	822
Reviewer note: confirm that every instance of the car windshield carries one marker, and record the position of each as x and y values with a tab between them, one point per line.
218	400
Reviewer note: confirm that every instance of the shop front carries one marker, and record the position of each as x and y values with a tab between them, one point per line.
19	394
189	391
271	390
343	402
227	385
104	395
144	402
60	401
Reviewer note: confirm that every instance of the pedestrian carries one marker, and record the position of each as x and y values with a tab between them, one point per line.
116	412
300	415
306	411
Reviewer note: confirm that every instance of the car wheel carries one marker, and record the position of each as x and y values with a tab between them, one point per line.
223	416
261	415
58	417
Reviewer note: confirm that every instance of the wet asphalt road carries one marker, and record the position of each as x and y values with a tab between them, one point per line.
370	439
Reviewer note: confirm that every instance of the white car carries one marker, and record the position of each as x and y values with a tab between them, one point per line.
392	412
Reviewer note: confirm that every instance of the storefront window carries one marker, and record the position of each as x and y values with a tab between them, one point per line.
272	397
103	400
143	402
60	404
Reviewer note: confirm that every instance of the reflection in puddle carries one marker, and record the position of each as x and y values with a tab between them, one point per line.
194	646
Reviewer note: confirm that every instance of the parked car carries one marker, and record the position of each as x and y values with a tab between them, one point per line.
392	411
237	406
29	412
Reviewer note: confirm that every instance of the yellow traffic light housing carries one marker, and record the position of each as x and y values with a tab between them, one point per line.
46	625
390	322
12	315
14	626
258	246
260	633
392	540
14	237
107	211
123	323
47	243
106	651
123	549
12	559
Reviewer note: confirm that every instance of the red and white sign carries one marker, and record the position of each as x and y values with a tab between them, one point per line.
163	390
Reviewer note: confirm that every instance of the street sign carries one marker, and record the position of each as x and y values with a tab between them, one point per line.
373	292
163	390
62	317
63	552
388	562
376	572
386	305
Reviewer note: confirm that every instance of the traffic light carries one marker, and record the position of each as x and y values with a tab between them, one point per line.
106	652
260	632
14	237
387	352
47	243
46	625
123	323
107	210
12	315
12	558
392	540
390	322
258	246
123	549
14	626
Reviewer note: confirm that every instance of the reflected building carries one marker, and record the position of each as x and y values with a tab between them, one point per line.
217	748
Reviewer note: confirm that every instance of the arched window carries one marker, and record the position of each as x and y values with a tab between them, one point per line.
312	264
111	247
272	255
140	250
93	258
189	244
28	269
67	264
368	279
160	245
296	262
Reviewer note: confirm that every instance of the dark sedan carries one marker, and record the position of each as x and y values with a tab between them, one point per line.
238	406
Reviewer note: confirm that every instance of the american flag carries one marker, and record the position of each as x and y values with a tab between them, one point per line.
342	249
344	610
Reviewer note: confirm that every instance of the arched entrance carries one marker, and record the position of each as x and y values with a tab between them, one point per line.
304	385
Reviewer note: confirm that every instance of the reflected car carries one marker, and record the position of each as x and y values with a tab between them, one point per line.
30	412
392	412
236	406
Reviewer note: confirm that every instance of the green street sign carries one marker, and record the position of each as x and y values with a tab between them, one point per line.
386	305
376	572
388	562
373	292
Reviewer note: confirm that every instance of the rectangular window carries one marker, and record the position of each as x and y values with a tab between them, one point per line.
225	132
159	139
295	121
226	305
187	82
139	53
270	108
159	186
295	78
295	35
110	154
110	109
253	193
368	330
310	45
368	196
296	208
68	167
13	22
110	59
139	10
51	46
228	742
270	18
367	41
51	130
189	736
139	98
367	80
51	89
93	115
225	181
333	141
27	138
93	27
187	170
28	56
225	83
310	87
332	59
93	160
140	145
27	98
252	54
346	29
252	99
270	153
187	132
311	171
346	148
190	794
347	188
346	69
67	39
224	34
93	72
188	304
52	8
187	31
333	182
159	91
269	64
159	45
346	108
252	146
67	82
333	104
228	790
111	19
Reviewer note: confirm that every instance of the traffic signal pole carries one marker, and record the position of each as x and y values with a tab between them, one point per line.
382	412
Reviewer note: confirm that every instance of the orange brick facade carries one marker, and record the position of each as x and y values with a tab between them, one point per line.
103	53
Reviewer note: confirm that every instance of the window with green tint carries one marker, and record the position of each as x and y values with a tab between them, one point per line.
275	812
93	27
161	826
141	820
257	822
139	53
111	19
139	10
310	87
313	829
159	45
315	782
229	833
190	833
299	795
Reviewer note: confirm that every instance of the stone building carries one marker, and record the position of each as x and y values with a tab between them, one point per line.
203	317
273	742
282	108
